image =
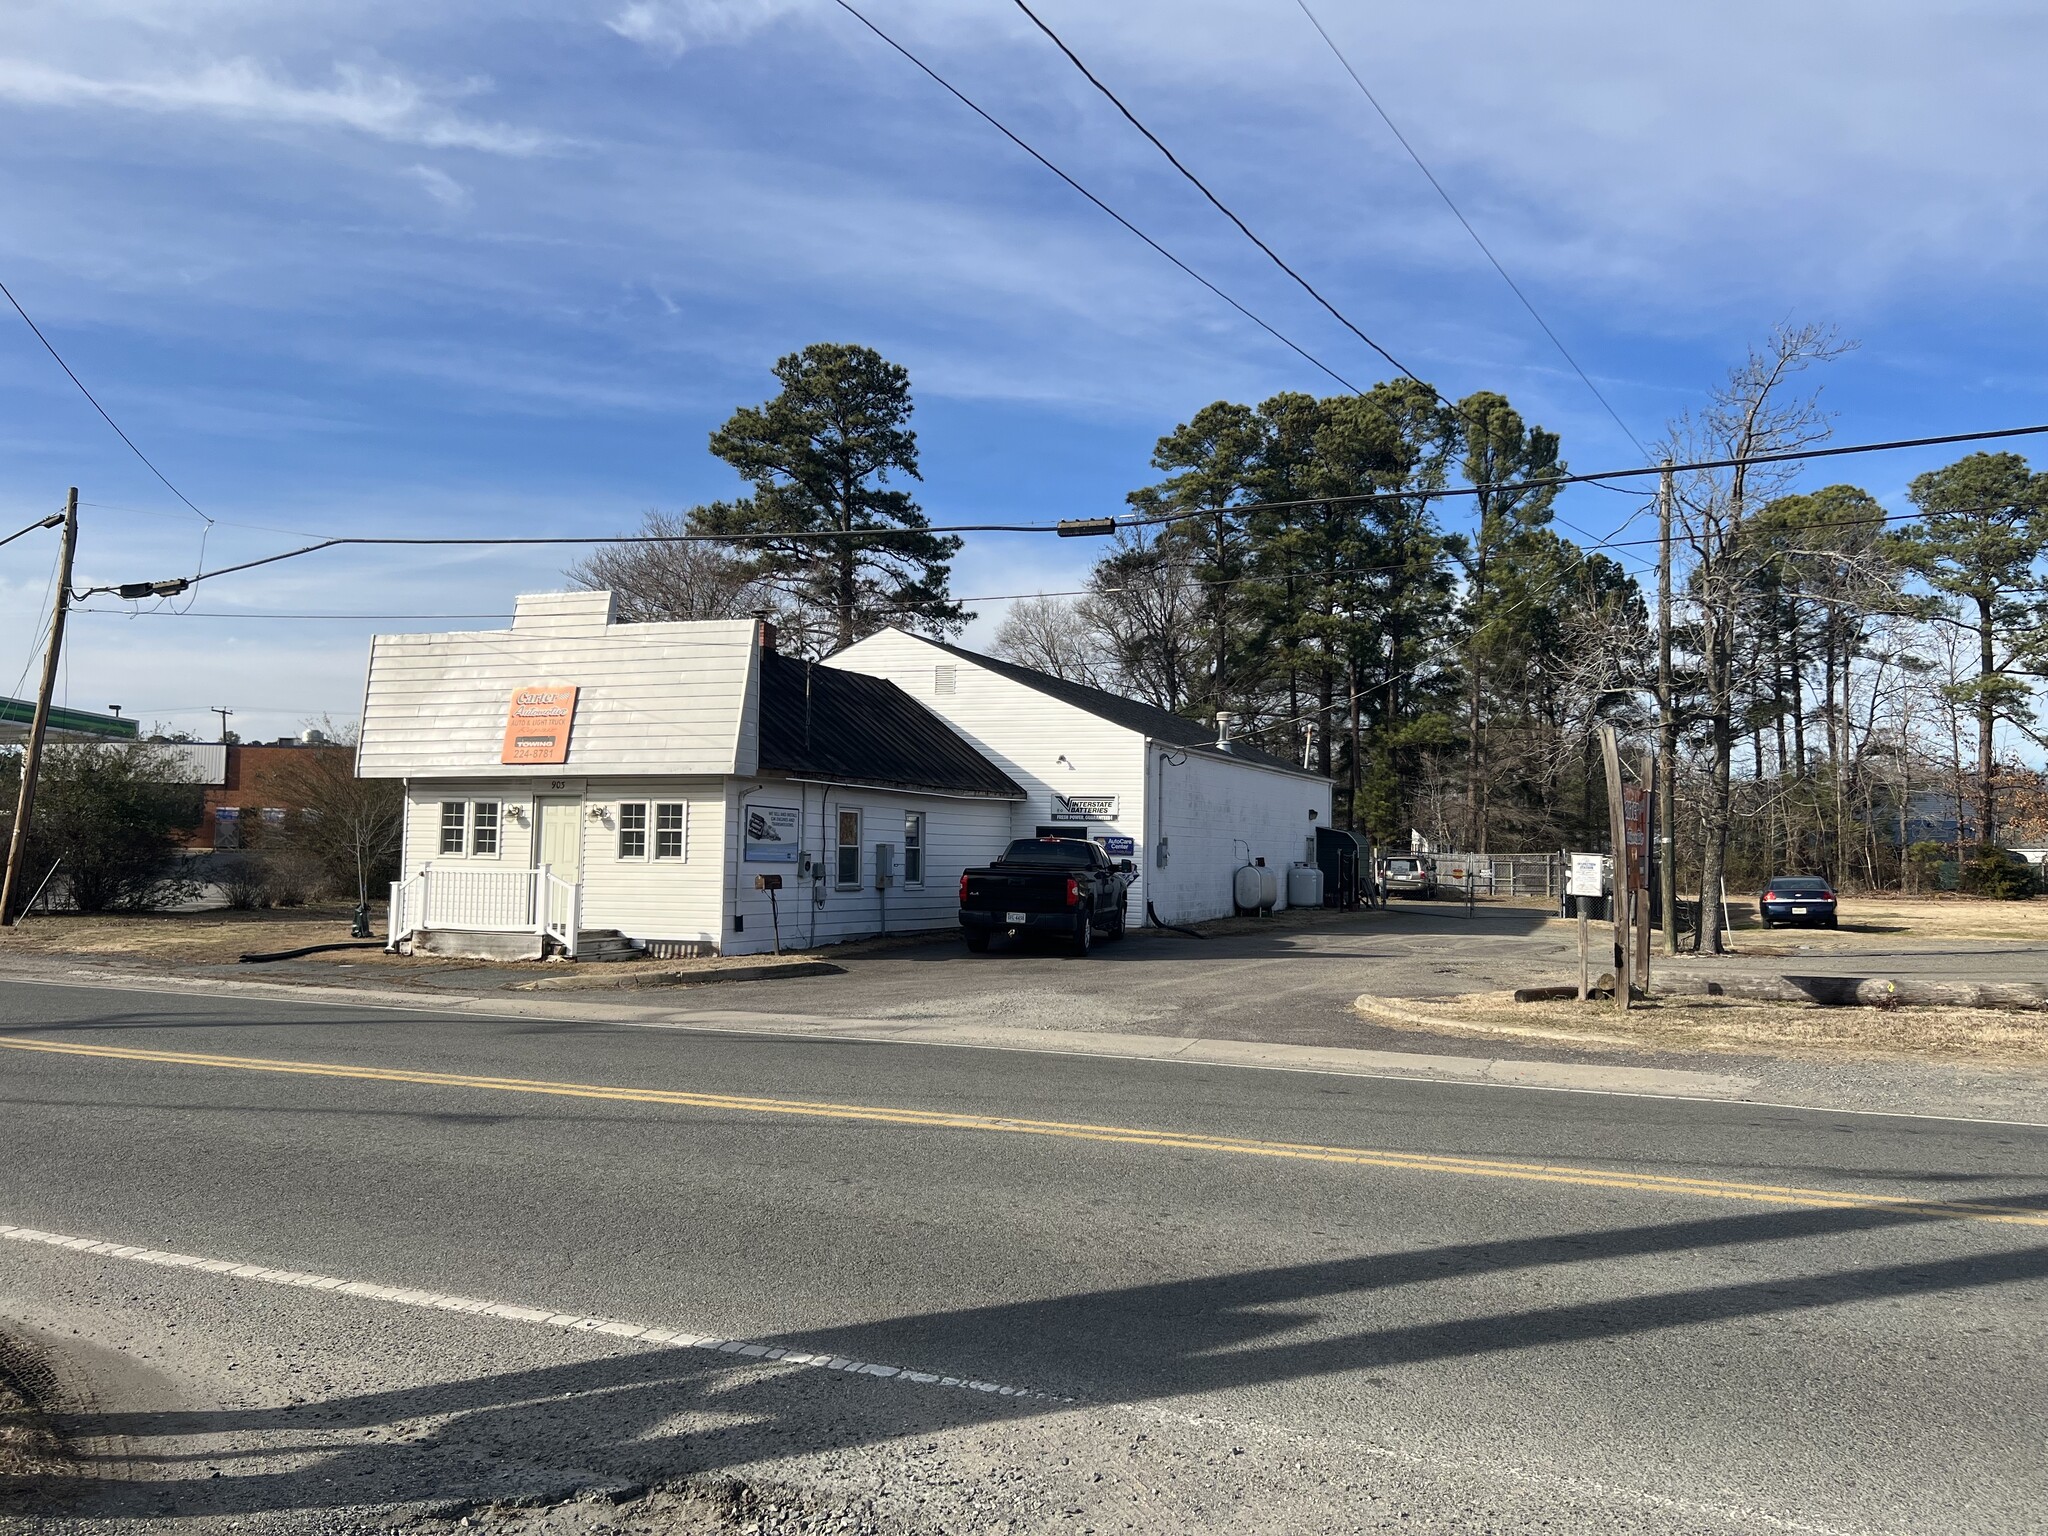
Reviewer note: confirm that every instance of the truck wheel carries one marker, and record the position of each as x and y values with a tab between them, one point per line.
1116	924
978	943
1084	932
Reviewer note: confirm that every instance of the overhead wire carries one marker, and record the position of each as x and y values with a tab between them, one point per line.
1221	207
979	111
1150	520
1459	214
94	402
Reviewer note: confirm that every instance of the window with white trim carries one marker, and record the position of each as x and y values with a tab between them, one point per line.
454	825
913	847
633	830
483	829
671	828
849	850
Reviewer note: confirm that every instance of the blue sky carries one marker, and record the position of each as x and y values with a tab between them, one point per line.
362	266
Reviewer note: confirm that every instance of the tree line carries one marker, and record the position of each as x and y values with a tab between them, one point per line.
1379	585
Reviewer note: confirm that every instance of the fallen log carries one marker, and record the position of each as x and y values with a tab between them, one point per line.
1862	991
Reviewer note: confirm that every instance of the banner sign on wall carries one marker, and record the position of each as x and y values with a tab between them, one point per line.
1084	807
537	725
772	834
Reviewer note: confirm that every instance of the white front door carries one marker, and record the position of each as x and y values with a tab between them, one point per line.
558	840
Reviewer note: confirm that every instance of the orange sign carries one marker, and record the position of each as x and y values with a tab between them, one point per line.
537	725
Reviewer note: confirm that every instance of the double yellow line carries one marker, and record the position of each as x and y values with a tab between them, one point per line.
1234	1146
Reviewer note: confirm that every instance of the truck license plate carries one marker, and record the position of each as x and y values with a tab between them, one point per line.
1013	917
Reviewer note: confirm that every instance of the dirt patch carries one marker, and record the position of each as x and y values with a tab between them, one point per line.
1976	1035
34	1464
196	938
721	1507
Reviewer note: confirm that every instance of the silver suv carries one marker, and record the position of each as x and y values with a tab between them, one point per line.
1408	874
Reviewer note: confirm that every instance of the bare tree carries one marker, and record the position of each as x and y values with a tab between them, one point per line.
1055	635
652	582
1754	414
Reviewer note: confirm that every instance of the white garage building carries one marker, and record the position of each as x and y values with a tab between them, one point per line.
575	785
1155	787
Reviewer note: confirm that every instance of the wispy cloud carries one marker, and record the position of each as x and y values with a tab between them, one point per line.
674	26
383	104
441	187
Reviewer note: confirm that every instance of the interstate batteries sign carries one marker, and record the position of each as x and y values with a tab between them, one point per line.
537	725
1084	807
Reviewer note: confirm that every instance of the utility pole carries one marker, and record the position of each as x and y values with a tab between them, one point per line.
223	713
32	757
1667	728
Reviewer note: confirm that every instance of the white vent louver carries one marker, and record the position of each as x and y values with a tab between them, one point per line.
945	678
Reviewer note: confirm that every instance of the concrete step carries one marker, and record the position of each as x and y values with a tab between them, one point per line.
601	944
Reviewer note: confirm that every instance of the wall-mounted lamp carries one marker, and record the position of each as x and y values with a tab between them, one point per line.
599	813
516	814
1311	814
1063	758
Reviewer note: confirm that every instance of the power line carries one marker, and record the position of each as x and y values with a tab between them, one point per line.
1005	131
1156	519
74	378
1459	215
1218	203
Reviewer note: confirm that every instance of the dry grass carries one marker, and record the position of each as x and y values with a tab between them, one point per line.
198	938
1981	1035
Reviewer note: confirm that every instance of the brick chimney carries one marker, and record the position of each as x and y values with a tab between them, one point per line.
765	627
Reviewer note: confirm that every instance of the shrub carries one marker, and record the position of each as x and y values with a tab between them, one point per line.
108	817
1999	874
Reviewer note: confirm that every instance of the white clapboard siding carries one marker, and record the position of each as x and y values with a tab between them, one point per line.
423	823
1218	816
652	698
960	834
1024	732
651	898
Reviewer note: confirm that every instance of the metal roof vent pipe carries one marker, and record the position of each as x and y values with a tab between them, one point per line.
1226	722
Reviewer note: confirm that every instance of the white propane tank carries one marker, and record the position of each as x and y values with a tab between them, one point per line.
1304	886
1245	888
1269	889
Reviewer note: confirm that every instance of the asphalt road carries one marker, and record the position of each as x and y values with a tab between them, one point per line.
1234	1300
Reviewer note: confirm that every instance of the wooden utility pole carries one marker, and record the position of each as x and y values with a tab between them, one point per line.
1648	776
1667	728
1617	830
16	876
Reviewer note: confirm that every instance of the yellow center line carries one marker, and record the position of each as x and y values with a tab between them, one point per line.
1418	1162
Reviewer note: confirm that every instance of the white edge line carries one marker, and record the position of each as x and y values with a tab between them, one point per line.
233	990
410	1296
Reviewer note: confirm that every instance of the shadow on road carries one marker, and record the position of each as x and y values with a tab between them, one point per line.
625	1416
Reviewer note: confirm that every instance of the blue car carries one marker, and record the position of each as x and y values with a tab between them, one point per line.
1798	899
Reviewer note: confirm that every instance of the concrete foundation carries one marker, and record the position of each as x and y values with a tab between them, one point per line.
458	944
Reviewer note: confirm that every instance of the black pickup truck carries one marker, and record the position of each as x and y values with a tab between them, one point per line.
1058	885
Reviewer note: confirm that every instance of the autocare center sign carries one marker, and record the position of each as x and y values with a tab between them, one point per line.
537	725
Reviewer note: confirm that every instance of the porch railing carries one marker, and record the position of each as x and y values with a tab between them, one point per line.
474	900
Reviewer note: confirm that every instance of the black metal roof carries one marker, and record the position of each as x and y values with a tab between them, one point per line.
1161	725
828	723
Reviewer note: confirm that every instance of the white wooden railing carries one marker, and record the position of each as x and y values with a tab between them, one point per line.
479	900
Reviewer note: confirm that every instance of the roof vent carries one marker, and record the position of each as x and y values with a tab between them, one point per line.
945	678
1226	722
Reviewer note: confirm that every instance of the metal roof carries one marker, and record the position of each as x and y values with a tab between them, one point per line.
1149	720
828	723
16	715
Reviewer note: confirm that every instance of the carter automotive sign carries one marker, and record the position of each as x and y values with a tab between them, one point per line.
1084	807
537	725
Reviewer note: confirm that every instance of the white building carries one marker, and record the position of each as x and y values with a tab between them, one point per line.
572	782
1151	785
